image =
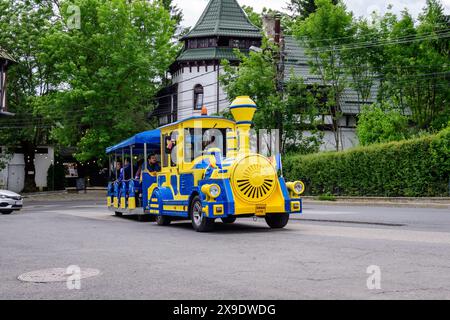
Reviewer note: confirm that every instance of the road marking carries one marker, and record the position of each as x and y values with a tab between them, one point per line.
353	222
91	206
96	215
307	211
372	233
39	206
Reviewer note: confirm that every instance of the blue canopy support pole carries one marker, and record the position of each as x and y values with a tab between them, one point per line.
115	166
145	156
123	163
131	162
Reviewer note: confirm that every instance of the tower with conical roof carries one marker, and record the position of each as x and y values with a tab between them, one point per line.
222	27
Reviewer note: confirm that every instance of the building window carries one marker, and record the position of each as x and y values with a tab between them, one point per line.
163	120
198	97
201	43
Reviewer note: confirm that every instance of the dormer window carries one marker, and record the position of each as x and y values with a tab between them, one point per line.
202	43
198	97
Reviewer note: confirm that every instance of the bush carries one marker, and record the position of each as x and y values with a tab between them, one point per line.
56	179
381	124
410	168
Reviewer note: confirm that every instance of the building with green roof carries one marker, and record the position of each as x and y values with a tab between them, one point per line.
6	60
222	28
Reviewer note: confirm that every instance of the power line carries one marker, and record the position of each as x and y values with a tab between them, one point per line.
305	39
355	36
28	125
364	45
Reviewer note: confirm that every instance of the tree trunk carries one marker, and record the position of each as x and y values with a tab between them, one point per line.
29	152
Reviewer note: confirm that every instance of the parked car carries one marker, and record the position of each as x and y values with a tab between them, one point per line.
10	201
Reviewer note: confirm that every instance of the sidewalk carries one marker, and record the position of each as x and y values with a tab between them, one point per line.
63	195
437	202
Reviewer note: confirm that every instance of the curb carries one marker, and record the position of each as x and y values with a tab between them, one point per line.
34	195
432	205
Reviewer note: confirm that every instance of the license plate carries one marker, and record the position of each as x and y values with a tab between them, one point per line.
260	209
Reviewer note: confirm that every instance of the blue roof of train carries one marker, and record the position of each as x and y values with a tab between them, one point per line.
152	138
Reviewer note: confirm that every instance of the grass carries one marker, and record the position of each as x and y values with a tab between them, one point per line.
326	197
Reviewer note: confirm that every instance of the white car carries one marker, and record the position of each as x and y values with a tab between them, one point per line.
10	201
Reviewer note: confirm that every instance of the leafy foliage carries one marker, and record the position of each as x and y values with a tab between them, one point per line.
381	124
416	168
107	71
303	8
23	25
288	111
329	26
415	72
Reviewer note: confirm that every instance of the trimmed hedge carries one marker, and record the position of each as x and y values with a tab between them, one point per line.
411	168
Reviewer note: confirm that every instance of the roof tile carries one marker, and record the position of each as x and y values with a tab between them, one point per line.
224	18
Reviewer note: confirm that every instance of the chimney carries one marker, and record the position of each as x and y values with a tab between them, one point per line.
272	27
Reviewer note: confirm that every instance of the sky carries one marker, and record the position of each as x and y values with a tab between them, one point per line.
192	9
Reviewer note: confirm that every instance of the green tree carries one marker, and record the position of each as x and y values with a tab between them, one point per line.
328	28
361	60
291	111
381	123
303	8
253	16
23	24
416	70
175	12
108	71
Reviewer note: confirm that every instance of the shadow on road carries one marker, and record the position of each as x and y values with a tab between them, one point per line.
245	226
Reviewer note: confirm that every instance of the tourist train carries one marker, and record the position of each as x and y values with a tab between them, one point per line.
207	171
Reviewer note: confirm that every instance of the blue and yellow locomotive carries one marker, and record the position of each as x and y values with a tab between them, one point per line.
207	172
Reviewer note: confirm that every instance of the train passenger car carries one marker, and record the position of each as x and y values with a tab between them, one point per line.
207	172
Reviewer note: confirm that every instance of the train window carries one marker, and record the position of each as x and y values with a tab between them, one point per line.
170	143
198	141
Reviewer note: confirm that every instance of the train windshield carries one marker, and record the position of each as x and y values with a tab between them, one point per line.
198	141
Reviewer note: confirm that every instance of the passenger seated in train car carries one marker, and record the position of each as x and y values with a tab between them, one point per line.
153	165
125	172
115	174
139	167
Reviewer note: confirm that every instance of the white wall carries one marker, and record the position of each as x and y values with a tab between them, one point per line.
13	176
348	137
187	80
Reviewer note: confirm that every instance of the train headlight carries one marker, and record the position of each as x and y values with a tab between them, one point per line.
212	190
299	187
296	187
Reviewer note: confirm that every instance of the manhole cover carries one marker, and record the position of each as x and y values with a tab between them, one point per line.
55	275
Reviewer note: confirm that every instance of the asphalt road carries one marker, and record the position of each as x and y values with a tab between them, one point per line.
322	255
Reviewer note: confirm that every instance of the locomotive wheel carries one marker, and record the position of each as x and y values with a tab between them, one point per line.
199	221
163	220
230	219
278	220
